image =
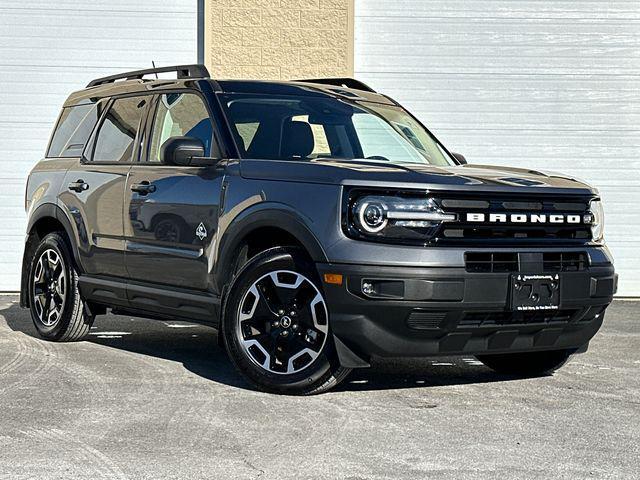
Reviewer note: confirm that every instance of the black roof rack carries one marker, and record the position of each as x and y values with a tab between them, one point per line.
340	82
183	71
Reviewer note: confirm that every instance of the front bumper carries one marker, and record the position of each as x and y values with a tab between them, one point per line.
449	311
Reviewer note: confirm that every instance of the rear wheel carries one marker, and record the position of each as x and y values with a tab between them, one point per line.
57	310
276	326
527	364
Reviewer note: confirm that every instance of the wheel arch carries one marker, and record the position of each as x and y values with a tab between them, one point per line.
264	227
45	219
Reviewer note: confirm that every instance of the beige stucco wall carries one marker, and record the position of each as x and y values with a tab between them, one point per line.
279	39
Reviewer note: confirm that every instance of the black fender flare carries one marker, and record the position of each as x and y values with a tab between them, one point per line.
265	214
46	210
286	218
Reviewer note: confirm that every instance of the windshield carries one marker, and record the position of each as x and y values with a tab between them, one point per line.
305	128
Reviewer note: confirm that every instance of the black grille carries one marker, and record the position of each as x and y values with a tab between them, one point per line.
487	319
501	262
462	232
424	320
565	261
488	262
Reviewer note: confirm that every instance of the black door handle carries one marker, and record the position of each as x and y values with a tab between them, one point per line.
79	186
143	188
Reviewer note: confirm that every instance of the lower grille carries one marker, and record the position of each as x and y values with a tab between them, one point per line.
565	261
487	262
487	319
423	320
549	262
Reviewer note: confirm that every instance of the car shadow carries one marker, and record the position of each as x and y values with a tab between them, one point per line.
196	348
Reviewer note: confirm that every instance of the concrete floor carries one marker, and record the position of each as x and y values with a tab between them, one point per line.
149	399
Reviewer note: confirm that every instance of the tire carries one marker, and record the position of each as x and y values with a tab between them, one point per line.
57	310
276	326
527	364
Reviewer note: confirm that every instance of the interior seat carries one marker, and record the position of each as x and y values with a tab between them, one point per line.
297	140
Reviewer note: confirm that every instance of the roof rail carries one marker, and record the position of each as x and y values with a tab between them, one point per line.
183	71
340	82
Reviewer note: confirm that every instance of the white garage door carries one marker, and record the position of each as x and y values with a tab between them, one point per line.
545	84
49	49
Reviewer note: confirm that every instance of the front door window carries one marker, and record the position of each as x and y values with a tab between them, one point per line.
180	115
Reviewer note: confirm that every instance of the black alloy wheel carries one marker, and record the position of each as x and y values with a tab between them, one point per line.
276	325
57	308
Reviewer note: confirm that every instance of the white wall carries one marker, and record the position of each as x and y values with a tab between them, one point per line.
545	84
49	49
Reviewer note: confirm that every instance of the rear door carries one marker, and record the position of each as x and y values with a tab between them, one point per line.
172	211
95	185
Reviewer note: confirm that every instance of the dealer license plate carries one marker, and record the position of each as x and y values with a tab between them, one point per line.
536	292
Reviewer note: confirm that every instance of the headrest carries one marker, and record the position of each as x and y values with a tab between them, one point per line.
297	140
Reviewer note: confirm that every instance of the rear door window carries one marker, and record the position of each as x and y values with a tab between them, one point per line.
116	139
73	130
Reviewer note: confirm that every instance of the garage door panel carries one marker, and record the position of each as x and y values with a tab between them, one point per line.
458	27
502	87
47	51
69	43
409	62
529	104
450	36
11	132
89	54
537	135
101	6
589	54
507	9
561	155
559	119
549	85
103	20
486	91
555	41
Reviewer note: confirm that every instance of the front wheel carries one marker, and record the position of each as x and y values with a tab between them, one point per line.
276	326
527	364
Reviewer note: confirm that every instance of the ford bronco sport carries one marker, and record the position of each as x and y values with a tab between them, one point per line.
315	223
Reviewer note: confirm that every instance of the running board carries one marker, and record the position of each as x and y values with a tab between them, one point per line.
152	300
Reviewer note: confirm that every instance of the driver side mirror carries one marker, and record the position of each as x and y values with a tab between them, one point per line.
181	151
460	158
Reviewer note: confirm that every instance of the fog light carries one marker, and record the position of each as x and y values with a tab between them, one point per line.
367	288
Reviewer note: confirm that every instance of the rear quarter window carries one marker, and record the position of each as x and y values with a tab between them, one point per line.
73	130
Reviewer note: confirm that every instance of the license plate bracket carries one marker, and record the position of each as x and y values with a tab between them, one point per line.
535	292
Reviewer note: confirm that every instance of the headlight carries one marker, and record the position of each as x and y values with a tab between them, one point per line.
597	223
392	217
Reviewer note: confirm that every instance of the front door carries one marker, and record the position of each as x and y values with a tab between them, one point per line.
172	211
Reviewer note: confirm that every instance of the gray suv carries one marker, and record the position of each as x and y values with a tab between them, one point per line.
315	223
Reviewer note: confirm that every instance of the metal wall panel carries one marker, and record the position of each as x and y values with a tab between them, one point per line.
49	49
546	84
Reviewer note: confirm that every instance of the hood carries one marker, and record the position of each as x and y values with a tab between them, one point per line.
420	176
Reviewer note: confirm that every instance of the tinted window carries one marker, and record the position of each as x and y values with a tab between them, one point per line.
73	130
320	142
180	115
310	127
377	139
116	138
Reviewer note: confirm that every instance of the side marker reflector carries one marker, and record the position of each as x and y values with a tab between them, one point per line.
333	278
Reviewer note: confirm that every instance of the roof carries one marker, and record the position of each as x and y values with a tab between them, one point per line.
190	75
